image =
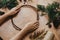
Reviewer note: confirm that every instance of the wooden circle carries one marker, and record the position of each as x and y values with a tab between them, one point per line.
26	14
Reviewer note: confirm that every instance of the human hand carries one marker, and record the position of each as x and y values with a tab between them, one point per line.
32	26
12	12
53	29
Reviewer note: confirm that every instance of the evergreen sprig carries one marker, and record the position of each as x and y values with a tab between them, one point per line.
41	7
53	13
8	3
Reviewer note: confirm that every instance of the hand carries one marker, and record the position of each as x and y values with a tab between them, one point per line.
12	12
54	31
32	26
25	31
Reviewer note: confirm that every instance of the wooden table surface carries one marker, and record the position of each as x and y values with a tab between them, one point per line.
25	16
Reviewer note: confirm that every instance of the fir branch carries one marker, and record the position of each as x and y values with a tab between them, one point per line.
41	8
53	13
8	3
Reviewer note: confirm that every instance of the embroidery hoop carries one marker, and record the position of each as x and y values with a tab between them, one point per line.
29	6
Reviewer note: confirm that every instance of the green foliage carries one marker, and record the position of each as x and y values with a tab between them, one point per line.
52	10
53	13
8	3
41	7
2	3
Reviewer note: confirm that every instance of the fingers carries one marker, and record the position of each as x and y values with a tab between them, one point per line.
36	22
54	31
12	12
31	27
16	11
34	26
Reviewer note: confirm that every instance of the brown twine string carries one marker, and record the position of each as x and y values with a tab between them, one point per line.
29	6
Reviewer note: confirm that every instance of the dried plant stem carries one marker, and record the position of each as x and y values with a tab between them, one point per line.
41	36
48	36
36	34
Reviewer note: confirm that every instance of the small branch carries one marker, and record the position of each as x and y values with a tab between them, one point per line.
49	36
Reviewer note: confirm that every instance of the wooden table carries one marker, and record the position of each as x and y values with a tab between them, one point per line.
27	15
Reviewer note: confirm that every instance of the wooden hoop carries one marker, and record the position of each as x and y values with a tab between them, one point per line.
29	6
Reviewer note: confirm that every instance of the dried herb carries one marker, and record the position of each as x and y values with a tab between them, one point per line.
37	35
53	13
8	3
